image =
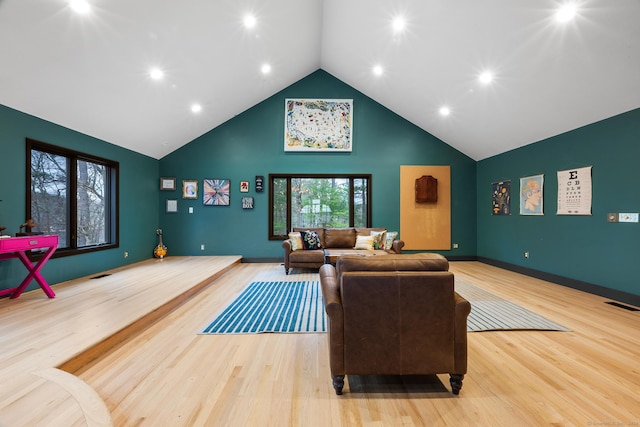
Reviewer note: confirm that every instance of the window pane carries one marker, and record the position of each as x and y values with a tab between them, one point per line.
320	202
360	202
317	201
279	188
49	204
91	198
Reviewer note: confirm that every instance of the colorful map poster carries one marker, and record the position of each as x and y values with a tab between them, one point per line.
574	191
318	125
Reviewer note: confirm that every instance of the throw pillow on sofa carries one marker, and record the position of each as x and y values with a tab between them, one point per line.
310	240
391	236
364	242
379	239
296	241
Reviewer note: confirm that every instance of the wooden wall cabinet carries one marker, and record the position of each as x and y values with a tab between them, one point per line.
426	189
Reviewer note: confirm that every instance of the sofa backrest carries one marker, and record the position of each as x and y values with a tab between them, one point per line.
399	262
336	238
339	237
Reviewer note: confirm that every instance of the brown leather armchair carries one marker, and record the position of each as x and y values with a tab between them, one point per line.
394	315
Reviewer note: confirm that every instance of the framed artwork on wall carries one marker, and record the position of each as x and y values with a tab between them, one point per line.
167	184
574	191
172	206
216	192
247	203
244	186
531	195
501	198
189	189
314	125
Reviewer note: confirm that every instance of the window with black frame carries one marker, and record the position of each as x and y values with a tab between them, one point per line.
318	200
72	195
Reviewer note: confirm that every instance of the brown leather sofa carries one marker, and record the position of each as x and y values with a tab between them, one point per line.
330	238
394	315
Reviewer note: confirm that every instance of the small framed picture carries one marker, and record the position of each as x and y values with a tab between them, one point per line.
244	186
167	184
172	206
189	189
247	203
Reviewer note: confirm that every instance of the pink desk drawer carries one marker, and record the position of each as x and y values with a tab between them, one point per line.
27	243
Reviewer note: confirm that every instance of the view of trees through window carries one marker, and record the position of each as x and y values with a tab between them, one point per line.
82	221
318	201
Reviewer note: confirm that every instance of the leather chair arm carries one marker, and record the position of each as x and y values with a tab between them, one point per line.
330	290
333	307
462	310
286	244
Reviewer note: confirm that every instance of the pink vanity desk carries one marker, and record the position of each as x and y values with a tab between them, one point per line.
16	247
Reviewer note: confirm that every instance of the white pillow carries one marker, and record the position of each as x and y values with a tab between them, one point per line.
364	242
296	240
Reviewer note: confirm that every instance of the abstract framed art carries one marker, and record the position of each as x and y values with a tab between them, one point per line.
318	125
216	192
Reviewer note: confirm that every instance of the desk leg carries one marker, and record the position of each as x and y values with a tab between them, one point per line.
34	273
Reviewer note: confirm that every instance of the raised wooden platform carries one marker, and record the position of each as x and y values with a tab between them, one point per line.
43	341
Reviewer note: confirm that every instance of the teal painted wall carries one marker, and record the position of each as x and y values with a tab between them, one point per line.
585	248
252	144
138	197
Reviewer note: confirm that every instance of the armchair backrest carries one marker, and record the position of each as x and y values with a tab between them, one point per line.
399	314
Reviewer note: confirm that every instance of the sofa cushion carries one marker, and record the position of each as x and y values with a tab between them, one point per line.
308	256
339	237
296	241
310	240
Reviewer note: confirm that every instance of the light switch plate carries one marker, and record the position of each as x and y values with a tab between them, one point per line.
628	217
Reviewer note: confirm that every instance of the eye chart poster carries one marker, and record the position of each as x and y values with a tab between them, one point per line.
574	191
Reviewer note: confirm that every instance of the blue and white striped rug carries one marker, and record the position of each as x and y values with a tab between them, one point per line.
298	307
285	307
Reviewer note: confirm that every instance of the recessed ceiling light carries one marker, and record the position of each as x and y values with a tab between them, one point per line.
249	21
266	68
445	111
398	24
485	78
196	108
79	6
566	13
377	70
156	73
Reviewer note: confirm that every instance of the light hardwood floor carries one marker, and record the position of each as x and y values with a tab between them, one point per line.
171	375
167	374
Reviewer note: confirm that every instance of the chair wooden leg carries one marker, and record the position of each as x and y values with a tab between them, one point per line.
456	383
338	383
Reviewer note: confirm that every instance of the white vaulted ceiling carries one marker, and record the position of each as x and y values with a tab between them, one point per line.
90	72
